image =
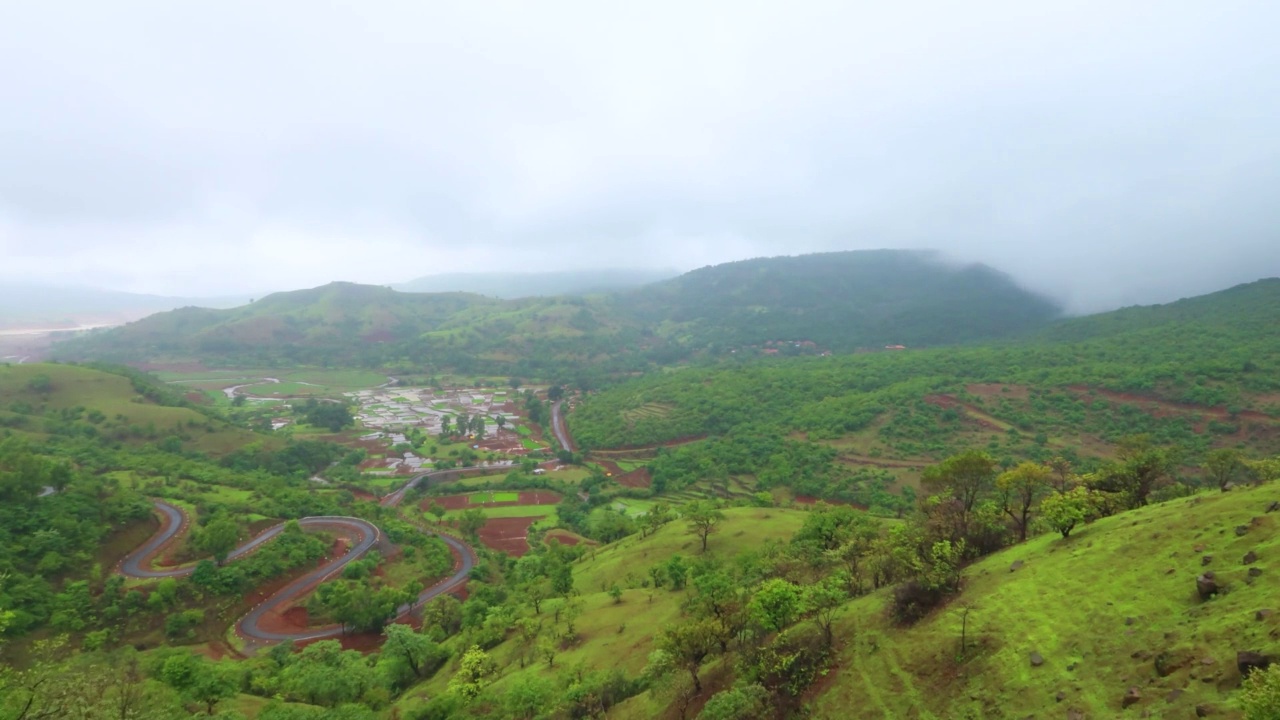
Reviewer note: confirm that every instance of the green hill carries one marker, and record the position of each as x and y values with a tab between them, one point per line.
787	305
1202	373
1112	607
38	401
841	301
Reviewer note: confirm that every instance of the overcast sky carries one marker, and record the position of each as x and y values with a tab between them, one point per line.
1104	152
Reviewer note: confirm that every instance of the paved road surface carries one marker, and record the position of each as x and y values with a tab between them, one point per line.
559	428
137	564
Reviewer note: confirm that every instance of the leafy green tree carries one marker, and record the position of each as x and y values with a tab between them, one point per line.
823	601
966	477
688	645
437	510
417	651
474	673
1064	511
1222	467
742	702
1019	488
219	538
470	522
776	604
703	518
658	515
528	697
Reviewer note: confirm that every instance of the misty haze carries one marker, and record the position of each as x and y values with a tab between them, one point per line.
549	361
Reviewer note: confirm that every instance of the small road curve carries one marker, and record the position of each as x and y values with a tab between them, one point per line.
175	521
559	427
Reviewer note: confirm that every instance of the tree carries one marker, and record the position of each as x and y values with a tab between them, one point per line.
470	522
775	604
658	515
744	702
688	645
965	477
474	671
527	697
823	600
1019	489
555	393
1222	466
1142	467
437	510
703	517
1063	479
219	538
417	651
1063	511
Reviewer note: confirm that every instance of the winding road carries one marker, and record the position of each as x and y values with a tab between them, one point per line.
175	521
559	428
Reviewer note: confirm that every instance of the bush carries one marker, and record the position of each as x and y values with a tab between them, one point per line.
1260	695
912	600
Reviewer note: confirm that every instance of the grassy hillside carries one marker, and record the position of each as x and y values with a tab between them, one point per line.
41	400
1112	607
800	305
621	634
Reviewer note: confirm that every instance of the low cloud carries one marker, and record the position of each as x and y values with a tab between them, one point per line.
1103	154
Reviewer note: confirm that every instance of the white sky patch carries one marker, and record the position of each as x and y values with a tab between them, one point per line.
1100	152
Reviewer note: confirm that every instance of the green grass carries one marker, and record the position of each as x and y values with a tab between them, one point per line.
1069	602
113	395
494	496
524	430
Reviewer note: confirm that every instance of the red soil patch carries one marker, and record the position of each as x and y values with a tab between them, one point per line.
638	478
462	502
949	402
997	390
1167	408
564	537
508	535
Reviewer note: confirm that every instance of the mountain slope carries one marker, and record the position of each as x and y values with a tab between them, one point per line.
840	301
338	323
843	301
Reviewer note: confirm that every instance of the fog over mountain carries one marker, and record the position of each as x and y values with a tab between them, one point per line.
1102	153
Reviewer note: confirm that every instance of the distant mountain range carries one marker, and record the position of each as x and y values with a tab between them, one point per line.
833	301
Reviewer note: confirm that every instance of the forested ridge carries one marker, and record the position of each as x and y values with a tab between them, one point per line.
805	304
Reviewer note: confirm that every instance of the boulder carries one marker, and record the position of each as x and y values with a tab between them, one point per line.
1255	572
1168	663
1263	614
1016	566
1241	530
1274	506
1247	661
1036	659
1207	586
1131	696
1204	710
1250	558
1205	560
